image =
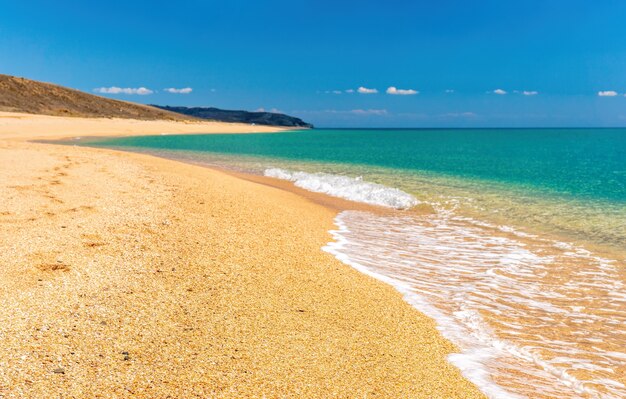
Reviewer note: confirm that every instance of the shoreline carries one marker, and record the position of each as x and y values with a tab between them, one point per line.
22	126
132	275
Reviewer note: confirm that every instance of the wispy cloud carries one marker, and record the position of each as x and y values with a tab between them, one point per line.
361	112
350	91
607	93
530	93
184	90
272	110
459	115
142	91
449	91
401	92
378	112
365	90
500	92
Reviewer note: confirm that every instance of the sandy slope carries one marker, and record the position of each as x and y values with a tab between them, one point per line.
125	275
33	97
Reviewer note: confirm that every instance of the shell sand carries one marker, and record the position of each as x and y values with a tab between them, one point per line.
125	275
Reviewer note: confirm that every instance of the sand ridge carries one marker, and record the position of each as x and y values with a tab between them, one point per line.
24	95
126	275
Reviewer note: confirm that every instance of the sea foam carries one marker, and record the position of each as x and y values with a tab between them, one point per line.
350	188
496	298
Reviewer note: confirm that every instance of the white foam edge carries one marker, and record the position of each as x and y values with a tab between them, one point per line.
470	363
350	188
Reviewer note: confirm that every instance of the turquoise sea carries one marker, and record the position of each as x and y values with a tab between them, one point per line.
522	263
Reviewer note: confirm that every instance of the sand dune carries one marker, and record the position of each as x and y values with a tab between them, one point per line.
33	97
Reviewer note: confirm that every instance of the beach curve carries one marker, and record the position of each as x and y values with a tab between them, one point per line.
133	276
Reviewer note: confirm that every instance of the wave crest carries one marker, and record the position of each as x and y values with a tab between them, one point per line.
350	188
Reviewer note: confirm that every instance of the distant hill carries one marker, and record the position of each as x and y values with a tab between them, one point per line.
29	96
259	118
33	97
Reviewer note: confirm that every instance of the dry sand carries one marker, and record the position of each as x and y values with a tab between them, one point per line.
125	275
27	126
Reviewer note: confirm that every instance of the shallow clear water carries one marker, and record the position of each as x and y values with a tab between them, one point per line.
580	162
523	262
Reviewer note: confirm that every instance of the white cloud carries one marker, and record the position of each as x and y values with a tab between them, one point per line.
347	112
459	115
530	93
401	92
369	111
272	110
365	90
142	91
607	93
337	92
184	90
449	91
360	112
500	91
350	91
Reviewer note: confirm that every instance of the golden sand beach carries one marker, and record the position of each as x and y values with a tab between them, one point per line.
126	275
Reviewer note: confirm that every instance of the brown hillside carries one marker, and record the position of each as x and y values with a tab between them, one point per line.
29	96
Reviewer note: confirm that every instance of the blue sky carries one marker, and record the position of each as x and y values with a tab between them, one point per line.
295	56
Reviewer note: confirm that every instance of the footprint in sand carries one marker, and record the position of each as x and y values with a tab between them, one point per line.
48	261
85	208
53	267
92	240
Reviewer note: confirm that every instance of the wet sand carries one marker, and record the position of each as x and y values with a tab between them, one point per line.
126	275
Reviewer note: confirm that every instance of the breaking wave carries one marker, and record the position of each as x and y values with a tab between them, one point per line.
350	188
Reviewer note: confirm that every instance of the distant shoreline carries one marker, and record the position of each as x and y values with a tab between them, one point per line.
30	127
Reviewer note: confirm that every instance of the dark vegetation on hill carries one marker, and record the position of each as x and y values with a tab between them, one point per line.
259	118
